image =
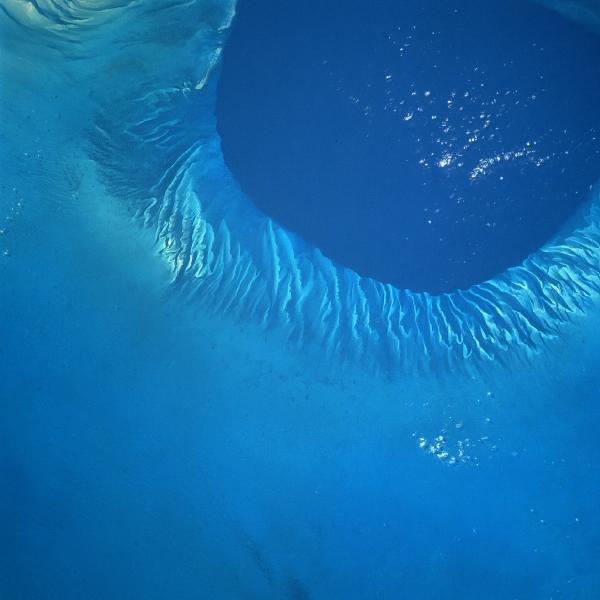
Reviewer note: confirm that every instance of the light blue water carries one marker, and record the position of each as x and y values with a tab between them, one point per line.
197	404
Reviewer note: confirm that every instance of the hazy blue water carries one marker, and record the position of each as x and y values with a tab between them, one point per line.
430	145
151	449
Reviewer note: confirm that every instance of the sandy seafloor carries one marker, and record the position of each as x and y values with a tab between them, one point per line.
150	449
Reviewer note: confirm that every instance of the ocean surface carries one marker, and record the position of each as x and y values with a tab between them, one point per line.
430	144
299	301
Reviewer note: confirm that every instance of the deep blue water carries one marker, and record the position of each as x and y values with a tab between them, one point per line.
428	144
196	403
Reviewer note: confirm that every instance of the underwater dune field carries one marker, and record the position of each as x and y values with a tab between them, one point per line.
236	362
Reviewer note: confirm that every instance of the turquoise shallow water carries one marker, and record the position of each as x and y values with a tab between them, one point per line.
198	404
